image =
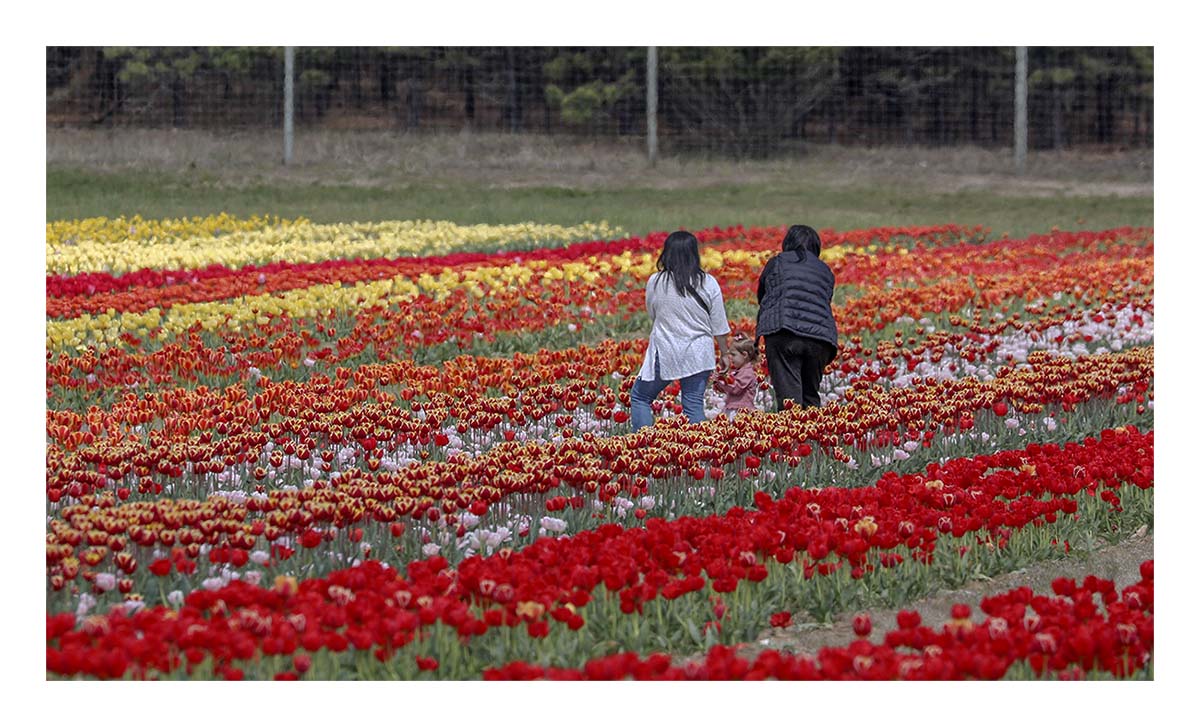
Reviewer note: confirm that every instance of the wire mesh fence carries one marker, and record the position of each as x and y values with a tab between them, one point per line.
739	102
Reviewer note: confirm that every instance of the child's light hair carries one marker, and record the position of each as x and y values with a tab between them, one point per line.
746	346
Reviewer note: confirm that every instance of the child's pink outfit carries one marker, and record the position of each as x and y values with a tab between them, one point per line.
739	387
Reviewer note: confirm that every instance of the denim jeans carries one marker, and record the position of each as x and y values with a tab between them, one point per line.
691	395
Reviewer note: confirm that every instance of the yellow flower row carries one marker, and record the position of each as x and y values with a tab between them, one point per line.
123	230
104	330
99	246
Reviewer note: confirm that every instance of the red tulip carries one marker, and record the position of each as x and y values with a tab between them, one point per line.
862	624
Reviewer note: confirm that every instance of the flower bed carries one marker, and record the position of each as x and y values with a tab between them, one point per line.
218	448
683	581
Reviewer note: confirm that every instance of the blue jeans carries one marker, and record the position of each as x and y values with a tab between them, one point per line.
691	395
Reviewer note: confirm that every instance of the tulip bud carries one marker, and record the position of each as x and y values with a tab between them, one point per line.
862	624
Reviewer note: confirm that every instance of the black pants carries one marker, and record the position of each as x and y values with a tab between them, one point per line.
796	364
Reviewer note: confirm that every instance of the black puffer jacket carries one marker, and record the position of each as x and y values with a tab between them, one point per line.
796	295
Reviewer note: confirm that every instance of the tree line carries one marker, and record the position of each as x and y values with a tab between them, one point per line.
741	101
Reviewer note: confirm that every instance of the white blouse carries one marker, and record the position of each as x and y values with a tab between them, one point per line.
682	333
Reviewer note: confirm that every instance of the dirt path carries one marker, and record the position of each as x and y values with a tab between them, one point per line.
1119	563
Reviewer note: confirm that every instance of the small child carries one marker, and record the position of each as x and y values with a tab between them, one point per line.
739	383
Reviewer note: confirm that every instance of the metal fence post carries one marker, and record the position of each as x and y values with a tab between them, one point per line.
1020	111
652	103
289	68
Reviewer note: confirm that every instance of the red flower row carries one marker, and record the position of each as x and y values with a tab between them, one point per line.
1066	636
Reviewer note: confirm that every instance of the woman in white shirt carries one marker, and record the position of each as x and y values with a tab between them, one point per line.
687	311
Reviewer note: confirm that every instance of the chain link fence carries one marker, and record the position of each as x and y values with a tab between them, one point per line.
739	102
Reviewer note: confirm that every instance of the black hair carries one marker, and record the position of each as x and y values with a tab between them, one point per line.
680	261
802	239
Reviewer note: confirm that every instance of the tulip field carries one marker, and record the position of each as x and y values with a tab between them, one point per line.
277	449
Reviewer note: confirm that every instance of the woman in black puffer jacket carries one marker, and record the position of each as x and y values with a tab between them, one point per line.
795	317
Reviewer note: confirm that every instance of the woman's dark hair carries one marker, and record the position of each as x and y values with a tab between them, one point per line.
680	261
802	239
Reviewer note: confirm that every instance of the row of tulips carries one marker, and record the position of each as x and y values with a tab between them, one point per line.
260	430
137	229
147	277
231	537
119	246
890	261
286	348
147	289
450	402
342	287
113	518
874	246
567	286
323	425
942	350
69	296
667	585
1064	636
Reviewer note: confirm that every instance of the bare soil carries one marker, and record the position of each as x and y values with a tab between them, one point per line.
1119	563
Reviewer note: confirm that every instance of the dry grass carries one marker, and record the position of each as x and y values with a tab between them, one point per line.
388	159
